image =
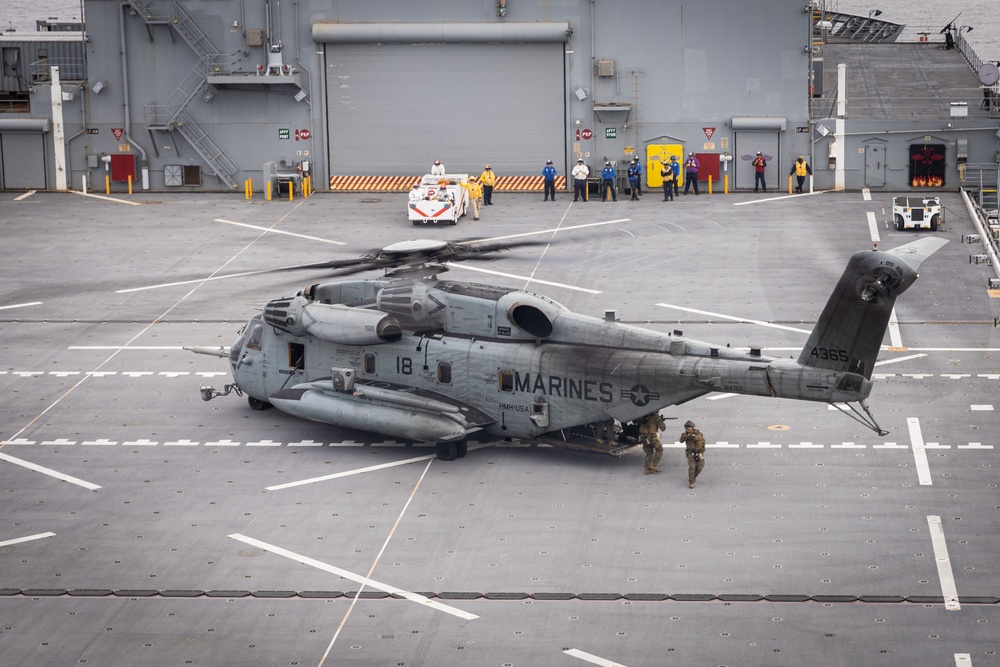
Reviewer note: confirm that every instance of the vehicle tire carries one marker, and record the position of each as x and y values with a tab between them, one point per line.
462	448
900	225
257	404
416	222
934	221
446	451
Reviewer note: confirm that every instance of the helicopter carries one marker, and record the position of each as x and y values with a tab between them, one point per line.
413	356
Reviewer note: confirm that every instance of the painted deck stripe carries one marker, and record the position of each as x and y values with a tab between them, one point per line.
48	471
25	195
963	660
873	226
21	305
365	581
896	360
591	658
114	199
734	319
919	453
866	195
538	281
769	199
894	338
943	562
348	473
271	230
26	538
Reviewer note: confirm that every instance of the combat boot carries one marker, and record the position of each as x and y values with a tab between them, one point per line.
656	469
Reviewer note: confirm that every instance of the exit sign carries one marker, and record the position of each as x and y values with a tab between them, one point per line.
611	133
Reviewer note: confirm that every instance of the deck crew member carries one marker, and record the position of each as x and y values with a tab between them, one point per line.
475	195
649	435
488	179
638	171
633	179
759	164
694	450
608	182
580	175
667	174
801	169
437	169
676	166
549	180
691	168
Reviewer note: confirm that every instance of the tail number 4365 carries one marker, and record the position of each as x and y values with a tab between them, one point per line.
829	354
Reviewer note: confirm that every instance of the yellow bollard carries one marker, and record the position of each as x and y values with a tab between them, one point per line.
725	184
709	184
267	191
130	183
291	190
107	184
250	181
789	184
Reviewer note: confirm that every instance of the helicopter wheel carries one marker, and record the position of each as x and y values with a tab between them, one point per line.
446	451
257	404
461	448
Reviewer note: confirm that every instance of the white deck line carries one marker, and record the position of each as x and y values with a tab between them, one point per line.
377	585
873	226
919	453
48	471
26	538
943	562
591	658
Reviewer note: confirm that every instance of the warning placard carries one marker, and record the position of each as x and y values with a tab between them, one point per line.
118	132
709	131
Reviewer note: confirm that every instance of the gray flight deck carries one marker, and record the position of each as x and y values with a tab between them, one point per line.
143	526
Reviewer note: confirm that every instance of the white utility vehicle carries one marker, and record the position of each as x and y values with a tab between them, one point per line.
916	213
438	198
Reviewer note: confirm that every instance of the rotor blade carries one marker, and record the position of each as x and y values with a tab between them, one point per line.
915	252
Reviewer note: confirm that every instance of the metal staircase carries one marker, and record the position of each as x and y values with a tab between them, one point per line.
981	182
173	113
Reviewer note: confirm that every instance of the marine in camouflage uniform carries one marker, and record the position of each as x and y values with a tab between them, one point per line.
649	435
694	449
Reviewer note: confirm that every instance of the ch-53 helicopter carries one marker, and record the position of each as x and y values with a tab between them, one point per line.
412	356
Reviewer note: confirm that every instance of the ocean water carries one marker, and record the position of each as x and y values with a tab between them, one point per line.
917	15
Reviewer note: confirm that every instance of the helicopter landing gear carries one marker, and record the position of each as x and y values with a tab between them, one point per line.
257	404
447	451
462	448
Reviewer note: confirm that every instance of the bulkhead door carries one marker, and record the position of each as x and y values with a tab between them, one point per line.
875	165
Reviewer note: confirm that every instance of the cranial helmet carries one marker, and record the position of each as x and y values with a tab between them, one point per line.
689	424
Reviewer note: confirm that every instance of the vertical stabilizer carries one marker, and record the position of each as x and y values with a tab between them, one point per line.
850	330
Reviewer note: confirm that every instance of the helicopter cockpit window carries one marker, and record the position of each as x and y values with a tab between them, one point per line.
255	336
506	380
444	372
369	363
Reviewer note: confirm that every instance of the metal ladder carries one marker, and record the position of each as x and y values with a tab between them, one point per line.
982	183
173	113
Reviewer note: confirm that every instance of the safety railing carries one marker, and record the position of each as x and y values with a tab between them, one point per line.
70	69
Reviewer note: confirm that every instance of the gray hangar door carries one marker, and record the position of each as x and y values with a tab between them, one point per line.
395	108
23	155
